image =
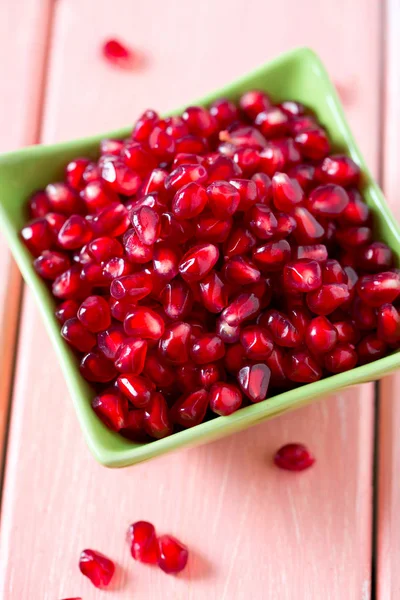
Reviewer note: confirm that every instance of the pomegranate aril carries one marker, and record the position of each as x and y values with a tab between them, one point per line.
248	160
93	275
378	289
321	335
242	308
332	272
370	348
136	388
198	262
302	276
272	123
228	333
174	343
154	183
352	237
109	341
112	409
210	373
117	53
356	211
254	102
308	229
318	252
112	221
257	342
77	335
363	315
63	200
224	112
38	205
104	248
175	127
342	358
111	147
172	554
301	367
213	293
120	178
346	332
37	236
157	422
96	367
254	381
187	376
66	310
223	198
207	348
144	322
177	299
264	188
161	144
276	363
69	284
185	174
212	229
283	332
225	398
189	201
97	567
293	457
136	286
327	298
241	271
313	143
137	158
262	221
157	371
51	264
144	126
130	357
221	168
304	174
134	426
94	314
329	201
199	121
146	223
248	193
190	409
239	242
388	328
339	169
74	233
143	542
191	144
96	196
374	257
286	192
271	257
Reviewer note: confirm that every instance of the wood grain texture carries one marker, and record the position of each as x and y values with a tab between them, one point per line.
254	531
22	58
388	517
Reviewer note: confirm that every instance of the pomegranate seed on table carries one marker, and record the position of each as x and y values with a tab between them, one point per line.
257	342
286	192
117	53
210	373
241	271
77	335
50	264
137	389
283	332
66	310
293	457
97	567
198	262
172	554
143	543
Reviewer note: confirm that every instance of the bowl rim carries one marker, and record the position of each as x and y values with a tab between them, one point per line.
245	417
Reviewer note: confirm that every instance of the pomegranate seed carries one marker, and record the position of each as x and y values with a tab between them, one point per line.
224	112
97	567
136	388
371	348
318	252
96	367
143	542
257	342
346	332
228	333
321	335
239	242
213	293
190	409
112	221
144	322
185	174
198	262
172	554
304	174
109	341
283	332
96	196
254	381
254	102
117	53
38	205
302	276
356	211
69	285
136	251
134	426
264	188
225	398
211	229
199	121
375	257
242	308
77	335
66	310
111	147
137	158
248	160
207	348
74	233
313	143
146	223
62	199
136	286
248	193
363	315
262	221
271	257
241	271
287	192
292	108
388	324
340	169
308	229
177	299
221	169
272	123
189	201
157	371
272	159
174	343
223	198
130	357
74	173
327	298
378	289
191	144
144	126
157	423
50	264
37	236
293	457
332	272
276	363
175	127
94	314
162	145
187	376
301	367
243	136
351	237
112	409
210	374
328	201
120	178
342	358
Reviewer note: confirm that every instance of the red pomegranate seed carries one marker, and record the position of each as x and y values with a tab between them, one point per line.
174	343
378	289
109	341
37	236
117	53
276	363
66	310
96	367
286	192
346	332
74	233
254	381
371	348
69	285
136	286
172	554
112	409
136	251
262	221
130	357
254	102
112	221
239	135
356	211
342	358
38	205
318	252
283	332
94	314
321	335
143	542
137	158
301	367
313	143
137	389
352	237
375	257
185	174
74	173
51	264
111	147
264	188
157	371
213	293
162	145
77	335
177	299
327	298
241	271
239	242
272	123
222	168
248	160
293	457
146	223
224	112
363	315
157	422
210	374
228	333
120	178
308	229
242	308
207	348
304	174
199	121
144	126
223	198
144	322
189	201
302	276
62	199
198	262
97	567
257	342
271	257
187	376
190	409
104	248
340	169
332	272
234	358
211	229
225	398
96	196
166	261
328	201
134	426
388	324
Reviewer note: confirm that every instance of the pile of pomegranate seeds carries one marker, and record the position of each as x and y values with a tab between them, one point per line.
293	457
210	261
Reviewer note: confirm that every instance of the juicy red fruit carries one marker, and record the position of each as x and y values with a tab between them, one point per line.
172	554
294	457
97	567
143	542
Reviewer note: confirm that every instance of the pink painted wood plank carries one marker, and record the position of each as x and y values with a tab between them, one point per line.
21	63
255	532
388	518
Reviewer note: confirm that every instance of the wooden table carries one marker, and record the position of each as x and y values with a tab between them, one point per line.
255	532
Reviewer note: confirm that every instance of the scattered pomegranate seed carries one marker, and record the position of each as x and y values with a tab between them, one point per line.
97	567
143	542
117	53
294	457
172	554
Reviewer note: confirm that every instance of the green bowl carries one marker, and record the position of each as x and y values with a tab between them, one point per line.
297	75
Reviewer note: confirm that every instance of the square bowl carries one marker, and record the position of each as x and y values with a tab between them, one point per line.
296	75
